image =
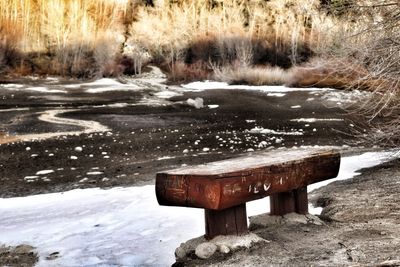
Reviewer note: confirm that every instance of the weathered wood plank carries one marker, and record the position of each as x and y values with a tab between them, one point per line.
282	203
224	184
287	202
231	221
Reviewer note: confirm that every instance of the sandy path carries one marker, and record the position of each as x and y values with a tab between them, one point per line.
51	116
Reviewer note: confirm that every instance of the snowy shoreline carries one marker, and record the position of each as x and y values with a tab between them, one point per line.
121	226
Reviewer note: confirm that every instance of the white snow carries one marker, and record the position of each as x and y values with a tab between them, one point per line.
295	107
261	130
42	89
44	172
14	109
213	106
106	85
33	177
93	227
346	96
167	94
120	226
52	116
276	94
310	120
166	157
211	85
11	86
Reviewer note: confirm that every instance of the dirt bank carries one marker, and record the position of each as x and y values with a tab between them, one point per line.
361	228
20	256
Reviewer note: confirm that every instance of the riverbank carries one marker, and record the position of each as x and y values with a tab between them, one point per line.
360	228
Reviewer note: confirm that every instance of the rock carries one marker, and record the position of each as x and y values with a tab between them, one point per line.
295	218
53	256
224	249
234	242
314	219
205	250
225	244
196	103
264	220
188	247
180	253
23	249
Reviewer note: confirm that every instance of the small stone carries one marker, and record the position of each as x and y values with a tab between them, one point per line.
53	256
180	253
78	149
205	250
314	219
264	220
224	249
23	249
295	218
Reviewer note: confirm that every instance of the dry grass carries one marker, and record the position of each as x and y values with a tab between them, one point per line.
334	73
106	37
71	31
252	75
182	72
169	29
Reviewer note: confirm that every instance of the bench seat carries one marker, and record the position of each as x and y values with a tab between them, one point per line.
222	188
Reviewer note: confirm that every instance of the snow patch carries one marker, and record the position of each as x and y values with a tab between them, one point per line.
44	172
261	130
212	85
106	85
310	120
45	90
276	94
213	106
167	94
116	227
166	157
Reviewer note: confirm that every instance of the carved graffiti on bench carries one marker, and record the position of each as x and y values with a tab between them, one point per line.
222	188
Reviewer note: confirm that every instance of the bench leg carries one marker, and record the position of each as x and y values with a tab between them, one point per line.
287	202
231	221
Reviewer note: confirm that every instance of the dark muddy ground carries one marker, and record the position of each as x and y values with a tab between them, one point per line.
146	138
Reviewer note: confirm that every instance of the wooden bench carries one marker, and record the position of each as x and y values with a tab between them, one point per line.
222	188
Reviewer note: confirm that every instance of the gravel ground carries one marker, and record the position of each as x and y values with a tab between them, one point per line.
361	228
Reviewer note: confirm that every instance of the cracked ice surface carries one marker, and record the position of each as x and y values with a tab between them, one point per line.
120	226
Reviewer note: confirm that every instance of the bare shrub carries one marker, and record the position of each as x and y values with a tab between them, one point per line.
2	59
134	58
106	54
182	72
334	73
251	75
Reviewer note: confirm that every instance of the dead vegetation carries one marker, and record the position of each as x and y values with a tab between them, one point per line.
85	38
